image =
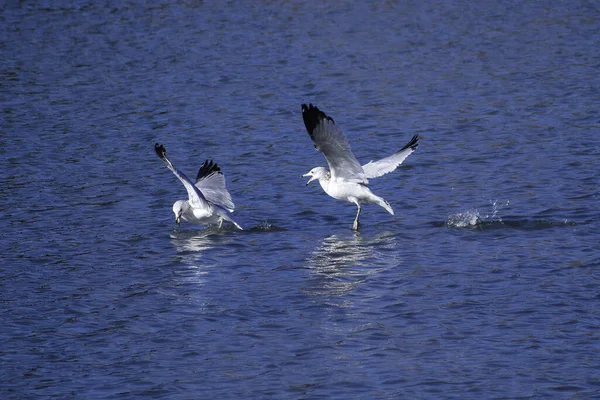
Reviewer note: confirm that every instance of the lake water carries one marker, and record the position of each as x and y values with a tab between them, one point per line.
485	283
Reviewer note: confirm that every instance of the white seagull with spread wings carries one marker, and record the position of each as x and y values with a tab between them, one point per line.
346	179
209	202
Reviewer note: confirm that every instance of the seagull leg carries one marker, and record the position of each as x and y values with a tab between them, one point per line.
356	223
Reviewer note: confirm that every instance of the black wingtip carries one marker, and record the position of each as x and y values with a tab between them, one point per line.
160	150
412	144
312	116
207	168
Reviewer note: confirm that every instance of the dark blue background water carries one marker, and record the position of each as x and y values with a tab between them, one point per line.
485	284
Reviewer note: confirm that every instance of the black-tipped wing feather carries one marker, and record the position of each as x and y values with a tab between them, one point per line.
312	116
329	139
207	168
194	195
388	164
211	182
412	144
160	150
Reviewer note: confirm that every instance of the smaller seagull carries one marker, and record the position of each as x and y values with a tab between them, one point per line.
346	179
209	202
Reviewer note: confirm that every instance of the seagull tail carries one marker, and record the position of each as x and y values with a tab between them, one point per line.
229	218
226	215
237	225
383	203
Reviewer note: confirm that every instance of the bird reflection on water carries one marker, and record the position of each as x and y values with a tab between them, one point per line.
194	241
342	262
192	249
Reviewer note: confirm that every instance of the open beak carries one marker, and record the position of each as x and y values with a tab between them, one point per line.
312	178
178	219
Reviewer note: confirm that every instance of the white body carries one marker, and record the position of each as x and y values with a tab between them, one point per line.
211	215
346	178
209	202
357	193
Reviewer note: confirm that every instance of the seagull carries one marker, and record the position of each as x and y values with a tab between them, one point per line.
346	179
209	202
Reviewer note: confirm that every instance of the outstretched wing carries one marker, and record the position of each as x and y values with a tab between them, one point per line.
211	182
381	167
196	198
329	139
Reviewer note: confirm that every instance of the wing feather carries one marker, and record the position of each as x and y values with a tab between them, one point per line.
329	139
211	182
195	197
388	164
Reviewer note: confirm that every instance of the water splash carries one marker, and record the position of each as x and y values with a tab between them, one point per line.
497	206
495	219
464	219
265	226
473	217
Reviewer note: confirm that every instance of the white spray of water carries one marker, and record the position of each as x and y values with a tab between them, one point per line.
473	217
463	219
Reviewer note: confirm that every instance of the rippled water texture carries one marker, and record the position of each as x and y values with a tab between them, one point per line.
485	283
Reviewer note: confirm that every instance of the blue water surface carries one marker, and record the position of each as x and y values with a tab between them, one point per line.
484	284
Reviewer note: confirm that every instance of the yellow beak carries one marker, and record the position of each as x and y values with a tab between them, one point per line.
312	178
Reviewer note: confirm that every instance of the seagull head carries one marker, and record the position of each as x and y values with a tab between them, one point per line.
316	173
178	209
